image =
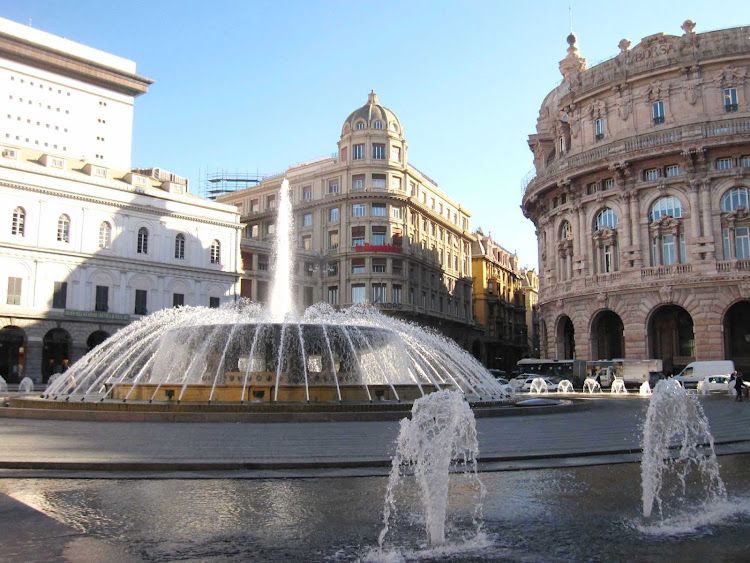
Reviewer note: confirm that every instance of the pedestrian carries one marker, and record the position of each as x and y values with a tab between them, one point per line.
738	385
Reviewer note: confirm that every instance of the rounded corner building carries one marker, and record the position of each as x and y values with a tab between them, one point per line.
641	201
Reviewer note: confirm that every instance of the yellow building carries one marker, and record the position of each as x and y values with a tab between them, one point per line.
499	302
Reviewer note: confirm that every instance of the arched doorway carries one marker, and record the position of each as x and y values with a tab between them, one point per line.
12	357
566	339
737	336
671	338
55	352
607	339
96	338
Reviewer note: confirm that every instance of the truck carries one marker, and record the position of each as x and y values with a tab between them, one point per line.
633	372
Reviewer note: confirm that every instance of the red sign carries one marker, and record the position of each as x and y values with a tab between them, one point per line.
367	247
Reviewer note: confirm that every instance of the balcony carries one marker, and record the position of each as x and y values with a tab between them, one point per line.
730	108
602	279
666	271
733	266
687	132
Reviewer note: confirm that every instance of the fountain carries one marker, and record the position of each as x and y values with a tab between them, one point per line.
26	385
538	386
3	385
441	434
591	385
677	442
246	353
618	387
645	390
565	386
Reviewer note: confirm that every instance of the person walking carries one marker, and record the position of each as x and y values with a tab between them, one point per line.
738	385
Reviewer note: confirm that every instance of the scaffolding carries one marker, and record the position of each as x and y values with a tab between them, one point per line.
220	182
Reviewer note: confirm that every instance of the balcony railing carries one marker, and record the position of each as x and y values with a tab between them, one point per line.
666	271
733	266
603	279
685	132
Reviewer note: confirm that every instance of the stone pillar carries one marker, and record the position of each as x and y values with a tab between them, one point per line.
625	231
706	212
695	216
636	223
33	358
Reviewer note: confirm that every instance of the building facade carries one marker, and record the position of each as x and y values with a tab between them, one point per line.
499	303
86	243
369	227
640	200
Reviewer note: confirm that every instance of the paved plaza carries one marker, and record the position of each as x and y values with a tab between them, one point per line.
603	431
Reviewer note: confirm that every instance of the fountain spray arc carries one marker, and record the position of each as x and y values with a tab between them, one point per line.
282	305
677	441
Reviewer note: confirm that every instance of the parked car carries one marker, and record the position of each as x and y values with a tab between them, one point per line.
715	384
518	381
551	386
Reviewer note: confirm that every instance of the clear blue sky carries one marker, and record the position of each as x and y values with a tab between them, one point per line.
256	86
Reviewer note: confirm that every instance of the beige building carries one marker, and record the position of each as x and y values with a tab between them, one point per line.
641	201
499	301
369	227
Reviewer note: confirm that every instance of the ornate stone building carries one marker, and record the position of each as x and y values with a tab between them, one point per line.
641	200
369	227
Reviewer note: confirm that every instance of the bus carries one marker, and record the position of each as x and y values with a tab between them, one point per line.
572	370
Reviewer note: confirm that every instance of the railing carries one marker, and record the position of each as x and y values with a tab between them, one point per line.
733	266
602	279
639	142
666	271
425	176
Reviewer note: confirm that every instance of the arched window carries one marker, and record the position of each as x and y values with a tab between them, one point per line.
179	247
734	198
667	237
105	235
378	124
215	252
735	223
63	228
394	127
360	125
142	247
606	219
19	220
666	207
605	241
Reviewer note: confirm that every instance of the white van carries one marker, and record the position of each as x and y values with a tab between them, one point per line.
698	371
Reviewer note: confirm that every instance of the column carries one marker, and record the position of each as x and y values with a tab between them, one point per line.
695	216
635	220
33	358
625	231
706	213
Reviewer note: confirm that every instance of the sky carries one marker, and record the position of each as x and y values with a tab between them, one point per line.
254	86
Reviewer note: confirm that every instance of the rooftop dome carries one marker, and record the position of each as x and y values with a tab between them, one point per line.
371	112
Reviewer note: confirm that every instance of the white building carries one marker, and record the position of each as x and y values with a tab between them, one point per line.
86	243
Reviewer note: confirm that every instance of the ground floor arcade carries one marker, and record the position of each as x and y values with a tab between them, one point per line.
676	325
39	348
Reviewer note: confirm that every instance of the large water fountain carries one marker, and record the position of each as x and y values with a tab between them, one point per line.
246	353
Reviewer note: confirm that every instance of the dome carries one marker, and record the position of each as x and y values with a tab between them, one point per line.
370	113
